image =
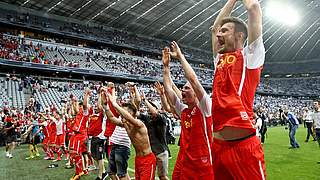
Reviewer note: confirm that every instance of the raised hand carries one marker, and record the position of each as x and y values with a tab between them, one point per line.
87	91
110	97
142	96
159	88
176	52
166	56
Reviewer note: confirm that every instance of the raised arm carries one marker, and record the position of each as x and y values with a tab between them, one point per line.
167	81
123	113
254	19
163	98
87	93
110	115
137	98
152	109
176	90
224	12
188	71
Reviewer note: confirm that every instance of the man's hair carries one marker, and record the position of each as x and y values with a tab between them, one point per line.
239	25
131	107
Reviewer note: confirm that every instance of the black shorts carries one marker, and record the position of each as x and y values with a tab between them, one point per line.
11	138
97	148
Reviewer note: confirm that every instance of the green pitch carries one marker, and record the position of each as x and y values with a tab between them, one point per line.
281	162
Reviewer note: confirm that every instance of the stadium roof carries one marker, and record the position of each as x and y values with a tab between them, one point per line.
188	21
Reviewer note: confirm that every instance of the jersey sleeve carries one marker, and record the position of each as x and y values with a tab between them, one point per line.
205	105
179	107
255	54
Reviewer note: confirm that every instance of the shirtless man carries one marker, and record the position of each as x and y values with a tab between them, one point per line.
145	160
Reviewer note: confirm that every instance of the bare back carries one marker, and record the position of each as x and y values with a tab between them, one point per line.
139	138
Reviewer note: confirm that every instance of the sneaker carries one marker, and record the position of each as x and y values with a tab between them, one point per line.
46	158
92	168
67	157
10	156
30	157
53	165
7	154
58	159
75	177
68	166
104	176
38	155
85	172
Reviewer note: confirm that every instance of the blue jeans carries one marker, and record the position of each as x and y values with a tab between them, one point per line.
292	133
118	160
309	130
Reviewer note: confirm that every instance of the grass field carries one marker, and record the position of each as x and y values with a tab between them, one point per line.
281	162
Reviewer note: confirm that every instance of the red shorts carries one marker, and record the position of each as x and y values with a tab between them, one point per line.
183	171
77	143
242	159
61	140
145	167
52	140
45	141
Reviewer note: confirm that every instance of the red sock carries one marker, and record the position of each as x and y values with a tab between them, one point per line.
45	149
58	151
78	162
64	149
71	158
51	155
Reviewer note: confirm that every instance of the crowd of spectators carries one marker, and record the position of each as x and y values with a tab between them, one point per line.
107	34
307	86
114	62
274	105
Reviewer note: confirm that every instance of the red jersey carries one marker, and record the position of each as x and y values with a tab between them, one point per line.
69	124
196	134
237	75
52	128
45	130
109	125
80	122
95	124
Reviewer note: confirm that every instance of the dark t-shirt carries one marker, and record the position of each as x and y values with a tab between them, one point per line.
156	131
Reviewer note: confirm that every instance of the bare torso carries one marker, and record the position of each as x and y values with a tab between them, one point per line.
232	133
139	138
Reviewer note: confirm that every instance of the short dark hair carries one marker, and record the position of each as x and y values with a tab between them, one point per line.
239	25
131	107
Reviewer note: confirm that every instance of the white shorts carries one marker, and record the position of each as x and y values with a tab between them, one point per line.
162	163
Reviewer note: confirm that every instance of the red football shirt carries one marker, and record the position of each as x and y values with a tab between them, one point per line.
196	134
80	123
109	125
237	75
95	124
52	128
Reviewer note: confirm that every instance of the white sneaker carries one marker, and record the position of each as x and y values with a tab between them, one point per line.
10	156
7	154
